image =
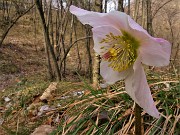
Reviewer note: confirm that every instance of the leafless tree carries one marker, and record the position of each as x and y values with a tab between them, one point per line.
9	19
120	5
137	3
48	45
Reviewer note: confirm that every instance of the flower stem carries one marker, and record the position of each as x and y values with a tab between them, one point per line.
138	120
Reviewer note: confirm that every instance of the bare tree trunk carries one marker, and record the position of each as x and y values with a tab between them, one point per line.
136	10
57	30
49	67
120	5
171	31
88	48
70	41
105	6
96	64
143	13
64	49
35	27
90	69
47	39
49	23
3	9
177	52
51	26
149	18
79	66
63	28
129	7
96	70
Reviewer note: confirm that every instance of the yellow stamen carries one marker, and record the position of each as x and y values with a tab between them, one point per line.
123	52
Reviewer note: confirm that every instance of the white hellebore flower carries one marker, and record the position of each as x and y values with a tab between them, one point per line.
123	46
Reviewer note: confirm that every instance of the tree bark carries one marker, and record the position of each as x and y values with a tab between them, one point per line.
129	7
79	66
47	39
88	48
120	5
149	18
143	14
96	63
136	10
90	68
105	6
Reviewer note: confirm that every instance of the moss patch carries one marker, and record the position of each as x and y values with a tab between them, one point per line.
8	68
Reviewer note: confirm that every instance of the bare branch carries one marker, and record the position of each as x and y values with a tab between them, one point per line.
12	24
156	11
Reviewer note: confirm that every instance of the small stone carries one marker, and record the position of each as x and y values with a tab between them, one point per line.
6	99
44	108
1	121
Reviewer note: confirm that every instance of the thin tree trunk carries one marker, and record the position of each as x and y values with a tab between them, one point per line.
136	10
64	24
129	7
57	31
172	33
64	49
143	13
70	41
90	69
88	48
149	18
79	66
177	52
49	67
105	7
120	5
3	10
51	26
35	27
49	23
96	64
47	39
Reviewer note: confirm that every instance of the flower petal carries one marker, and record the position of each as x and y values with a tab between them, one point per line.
119	19
100	33
95	19
136	30
166	46
111	76
137	87
155	52
89	17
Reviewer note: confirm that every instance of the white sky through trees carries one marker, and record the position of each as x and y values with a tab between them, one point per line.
111	4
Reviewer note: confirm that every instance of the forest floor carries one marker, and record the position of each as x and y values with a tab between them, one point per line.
23	81
19	61
25	104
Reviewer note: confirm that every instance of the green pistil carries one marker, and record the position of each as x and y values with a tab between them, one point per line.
123	52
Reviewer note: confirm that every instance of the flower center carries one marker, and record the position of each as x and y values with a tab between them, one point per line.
123	52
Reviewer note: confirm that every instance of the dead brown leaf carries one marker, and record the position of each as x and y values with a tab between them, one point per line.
43	130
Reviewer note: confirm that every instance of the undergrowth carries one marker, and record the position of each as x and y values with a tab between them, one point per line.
110	112
107	111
